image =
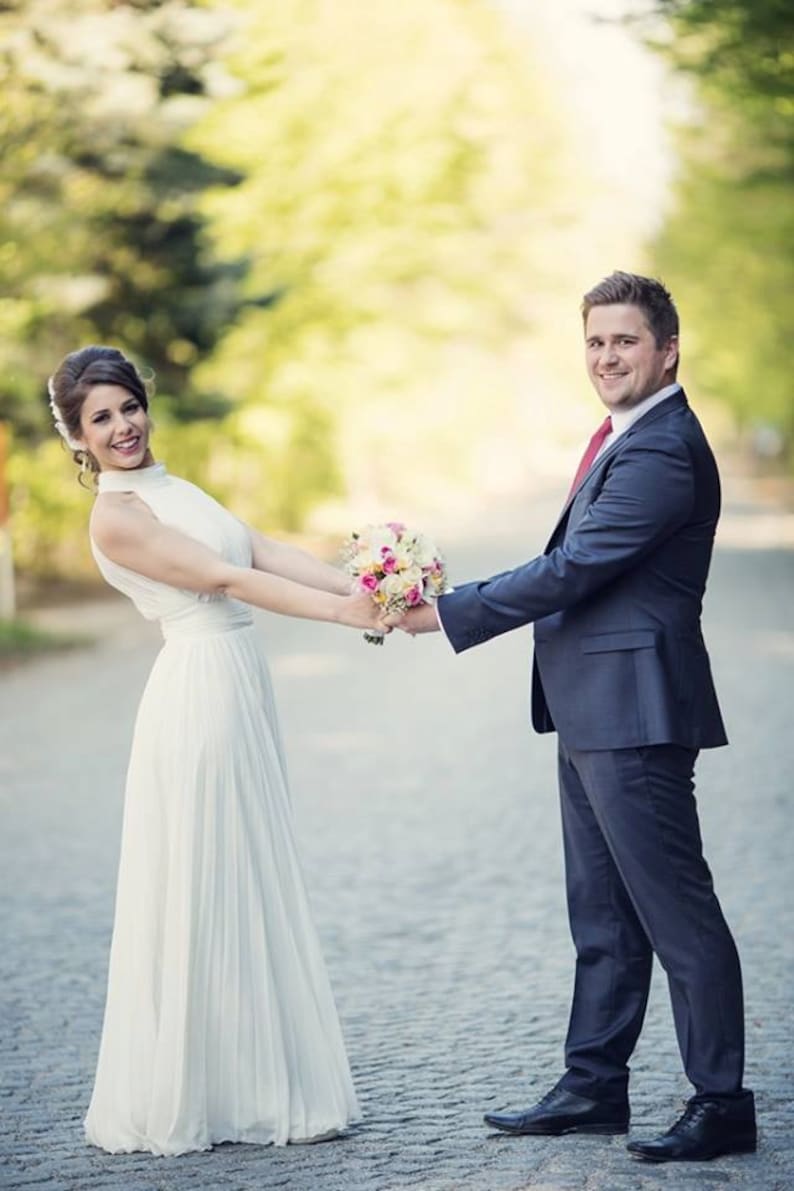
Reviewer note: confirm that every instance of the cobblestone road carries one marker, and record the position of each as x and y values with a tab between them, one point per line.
428	818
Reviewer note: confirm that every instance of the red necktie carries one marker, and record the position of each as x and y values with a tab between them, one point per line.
593	448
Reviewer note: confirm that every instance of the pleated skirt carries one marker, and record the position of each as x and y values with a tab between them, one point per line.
220	1022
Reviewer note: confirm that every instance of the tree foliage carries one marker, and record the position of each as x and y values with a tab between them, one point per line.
316	220
397	163
743	47
101	237
728	247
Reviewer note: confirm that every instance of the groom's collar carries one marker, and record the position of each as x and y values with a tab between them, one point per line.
623	418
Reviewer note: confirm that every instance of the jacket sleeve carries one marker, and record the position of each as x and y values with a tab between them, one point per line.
647	495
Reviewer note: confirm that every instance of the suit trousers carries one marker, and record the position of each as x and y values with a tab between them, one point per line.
637	883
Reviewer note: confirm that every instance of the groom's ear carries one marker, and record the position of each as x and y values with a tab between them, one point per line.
671	354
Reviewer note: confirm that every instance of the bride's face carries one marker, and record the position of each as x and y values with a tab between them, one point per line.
114	427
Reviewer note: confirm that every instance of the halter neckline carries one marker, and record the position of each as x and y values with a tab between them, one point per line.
134	479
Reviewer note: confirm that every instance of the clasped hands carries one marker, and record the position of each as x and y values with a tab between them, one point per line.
421	619
362	612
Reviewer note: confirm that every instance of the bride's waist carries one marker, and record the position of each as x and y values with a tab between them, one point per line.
205	619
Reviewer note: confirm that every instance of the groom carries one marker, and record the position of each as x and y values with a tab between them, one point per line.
622	675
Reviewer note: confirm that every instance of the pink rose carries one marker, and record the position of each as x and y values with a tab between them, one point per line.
368	583
413	596
389	561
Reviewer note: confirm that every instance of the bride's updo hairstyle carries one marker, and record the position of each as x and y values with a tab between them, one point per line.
71	383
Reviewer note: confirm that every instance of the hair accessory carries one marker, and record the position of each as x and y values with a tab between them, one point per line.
60	425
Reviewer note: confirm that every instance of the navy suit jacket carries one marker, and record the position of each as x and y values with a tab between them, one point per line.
616	595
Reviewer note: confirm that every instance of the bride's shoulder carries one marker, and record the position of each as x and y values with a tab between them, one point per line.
117	515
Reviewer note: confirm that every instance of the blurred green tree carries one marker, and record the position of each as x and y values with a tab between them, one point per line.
101	237
399	167
325	220
742	47
728	246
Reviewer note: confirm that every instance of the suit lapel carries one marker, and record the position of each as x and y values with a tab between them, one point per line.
674	401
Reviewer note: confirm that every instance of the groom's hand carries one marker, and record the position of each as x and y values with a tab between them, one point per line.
416	620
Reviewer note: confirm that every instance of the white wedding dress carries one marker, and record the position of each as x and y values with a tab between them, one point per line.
220	1023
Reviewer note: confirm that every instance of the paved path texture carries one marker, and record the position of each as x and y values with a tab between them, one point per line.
428	818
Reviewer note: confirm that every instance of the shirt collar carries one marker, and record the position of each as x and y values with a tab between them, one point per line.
623	418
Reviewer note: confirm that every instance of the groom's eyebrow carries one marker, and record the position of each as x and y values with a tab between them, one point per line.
617	335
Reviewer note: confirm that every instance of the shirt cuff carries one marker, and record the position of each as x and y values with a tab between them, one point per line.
440	621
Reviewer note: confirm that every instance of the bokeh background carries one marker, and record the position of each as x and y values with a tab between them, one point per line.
350	237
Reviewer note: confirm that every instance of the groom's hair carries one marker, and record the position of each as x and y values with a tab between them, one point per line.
629	289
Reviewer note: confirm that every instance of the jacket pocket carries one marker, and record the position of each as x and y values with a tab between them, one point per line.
627	639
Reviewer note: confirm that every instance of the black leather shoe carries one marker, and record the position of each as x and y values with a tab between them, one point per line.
563	1112
707	1129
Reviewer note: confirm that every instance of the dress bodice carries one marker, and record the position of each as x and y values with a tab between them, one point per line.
184	507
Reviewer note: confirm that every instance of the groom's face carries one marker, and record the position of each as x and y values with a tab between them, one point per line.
623	361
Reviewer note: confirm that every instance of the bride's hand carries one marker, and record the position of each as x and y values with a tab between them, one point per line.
360	611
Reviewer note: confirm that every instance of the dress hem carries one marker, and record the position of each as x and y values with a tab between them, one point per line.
243	1137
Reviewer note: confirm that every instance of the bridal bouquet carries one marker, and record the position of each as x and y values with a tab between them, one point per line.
398	567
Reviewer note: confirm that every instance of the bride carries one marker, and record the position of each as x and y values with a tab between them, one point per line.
220	1023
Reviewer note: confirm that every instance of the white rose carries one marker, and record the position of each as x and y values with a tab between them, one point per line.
377	537
403	555
424	551
394	586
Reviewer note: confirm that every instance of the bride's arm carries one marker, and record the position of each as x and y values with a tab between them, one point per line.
131	536
279	558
